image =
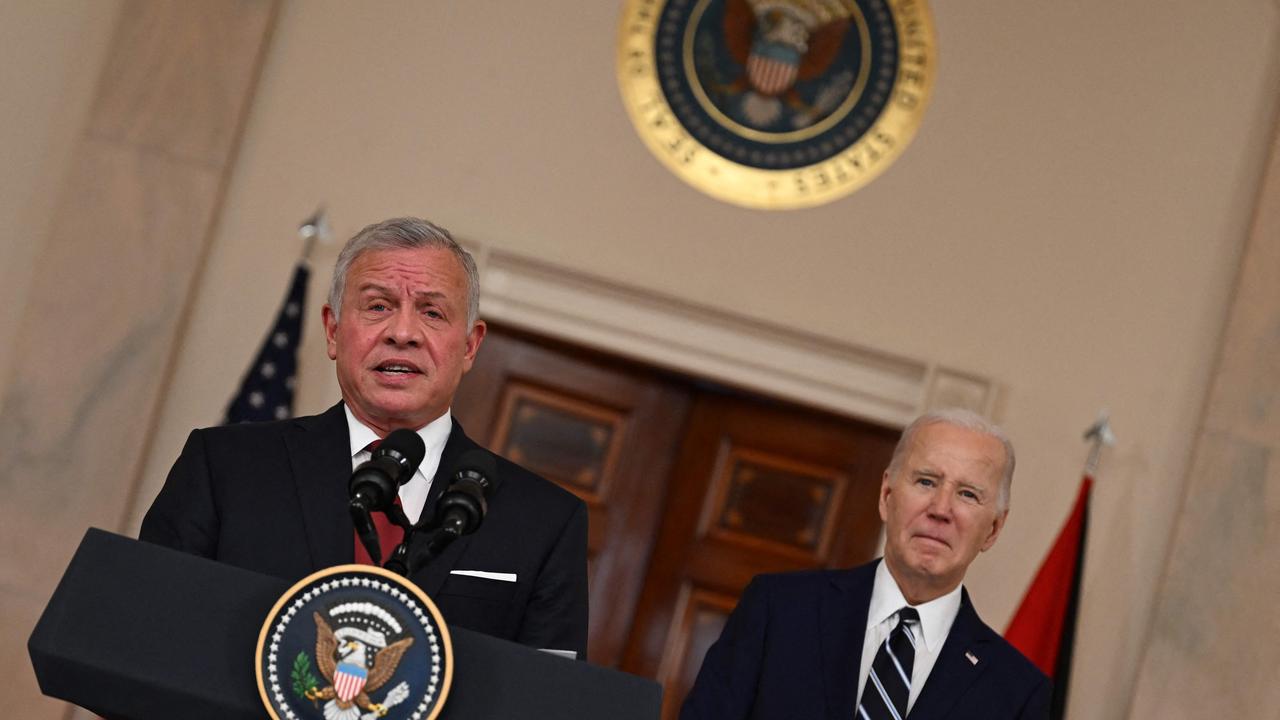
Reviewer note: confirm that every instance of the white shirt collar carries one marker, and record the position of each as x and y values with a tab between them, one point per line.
434	434
936	616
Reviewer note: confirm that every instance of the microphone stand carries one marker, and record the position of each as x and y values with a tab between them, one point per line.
398	563
404	560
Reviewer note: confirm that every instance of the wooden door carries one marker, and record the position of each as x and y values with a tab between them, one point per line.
757	487
693	489
604	429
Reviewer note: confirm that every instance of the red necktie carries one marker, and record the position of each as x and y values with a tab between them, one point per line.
389	534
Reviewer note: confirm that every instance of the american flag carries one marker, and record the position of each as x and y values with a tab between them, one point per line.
266	392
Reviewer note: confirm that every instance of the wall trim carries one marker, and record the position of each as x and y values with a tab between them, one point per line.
735	350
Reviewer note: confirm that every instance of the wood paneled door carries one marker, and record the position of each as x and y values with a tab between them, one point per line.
606	432
693	489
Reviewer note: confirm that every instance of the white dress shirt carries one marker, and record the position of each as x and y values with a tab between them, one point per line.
413	494
936	618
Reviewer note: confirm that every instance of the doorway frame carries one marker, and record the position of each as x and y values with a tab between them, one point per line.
851	380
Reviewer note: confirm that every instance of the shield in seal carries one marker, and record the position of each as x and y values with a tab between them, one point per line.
351	641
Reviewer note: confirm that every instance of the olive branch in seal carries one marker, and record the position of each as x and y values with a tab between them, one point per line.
303	679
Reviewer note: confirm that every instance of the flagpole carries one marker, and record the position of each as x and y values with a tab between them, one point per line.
313	228
1100	435
1044	626
266	390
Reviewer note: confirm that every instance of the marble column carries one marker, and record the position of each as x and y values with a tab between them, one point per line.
1213	647
110	289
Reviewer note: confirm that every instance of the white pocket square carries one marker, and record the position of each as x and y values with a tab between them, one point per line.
503	577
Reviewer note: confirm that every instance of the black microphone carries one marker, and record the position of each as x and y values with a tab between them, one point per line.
462	507
375	483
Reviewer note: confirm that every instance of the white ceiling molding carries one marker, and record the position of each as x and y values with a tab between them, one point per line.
770	359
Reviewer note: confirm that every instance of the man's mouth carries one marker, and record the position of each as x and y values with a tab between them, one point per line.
934	539
397	368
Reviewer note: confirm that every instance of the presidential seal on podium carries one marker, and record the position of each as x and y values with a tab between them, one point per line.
354	642
776	104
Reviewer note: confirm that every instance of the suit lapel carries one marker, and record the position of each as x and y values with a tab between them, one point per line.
432	577
319	450
841	629
958	665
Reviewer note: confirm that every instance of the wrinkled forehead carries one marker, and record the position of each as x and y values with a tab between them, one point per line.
954	450
429	267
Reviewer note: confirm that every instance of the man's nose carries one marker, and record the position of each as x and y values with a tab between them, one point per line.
941	505
403	328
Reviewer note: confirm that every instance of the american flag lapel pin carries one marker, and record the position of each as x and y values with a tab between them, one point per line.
973	660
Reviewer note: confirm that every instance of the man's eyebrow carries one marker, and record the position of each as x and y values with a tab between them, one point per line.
374	287
384	290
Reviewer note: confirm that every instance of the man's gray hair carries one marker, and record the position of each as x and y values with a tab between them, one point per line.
404	233
970	421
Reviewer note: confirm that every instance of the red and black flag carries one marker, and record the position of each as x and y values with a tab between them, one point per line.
1044	627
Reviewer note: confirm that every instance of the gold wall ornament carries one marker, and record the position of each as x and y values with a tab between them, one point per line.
776	104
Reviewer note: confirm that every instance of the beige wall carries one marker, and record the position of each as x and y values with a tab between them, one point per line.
1068	222
52	56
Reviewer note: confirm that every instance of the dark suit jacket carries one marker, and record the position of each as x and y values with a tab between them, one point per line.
792	648
272	497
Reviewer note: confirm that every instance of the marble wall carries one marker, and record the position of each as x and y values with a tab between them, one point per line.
1212	650
110	289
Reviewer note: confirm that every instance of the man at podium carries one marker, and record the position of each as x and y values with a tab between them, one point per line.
402	326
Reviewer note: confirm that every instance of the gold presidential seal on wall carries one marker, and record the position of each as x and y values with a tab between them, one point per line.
776	104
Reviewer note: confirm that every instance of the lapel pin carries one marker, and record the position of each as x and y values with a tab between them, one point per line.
972	659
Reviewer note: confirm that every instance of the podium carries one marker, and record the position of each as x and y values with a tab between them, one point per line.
136	631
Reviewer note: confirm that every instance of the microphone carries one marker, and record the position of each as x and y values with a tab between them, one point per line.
462	507
375	483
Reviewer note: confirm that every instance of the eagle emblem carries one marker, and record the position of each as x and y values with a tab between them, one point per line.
357	660
777	43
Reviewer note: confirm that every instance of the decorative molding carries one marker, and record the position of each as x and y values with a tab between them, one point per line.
773	360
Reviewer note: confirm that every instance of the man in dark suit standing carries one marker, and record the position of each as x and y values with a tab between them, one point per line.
898	637
402	325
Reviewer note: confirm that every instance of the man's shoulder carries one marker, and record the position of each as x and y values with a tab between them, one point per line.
805	582
1009	659
253	434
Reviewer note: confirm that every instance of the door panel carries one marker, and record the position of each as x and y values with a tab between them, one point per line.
603	429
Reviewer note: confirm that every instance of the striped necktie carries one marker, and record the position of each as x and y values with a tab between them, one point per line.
889	684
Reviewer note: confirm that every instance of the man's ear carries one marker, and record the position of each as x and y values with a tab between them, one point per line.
330	330
884	497
474	337
996	526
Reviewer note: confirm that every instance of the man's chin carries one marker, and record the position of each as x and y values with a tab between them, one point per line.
930	562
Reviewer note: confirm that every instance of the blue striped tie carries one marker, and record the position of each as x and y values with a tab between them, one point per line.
889	684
